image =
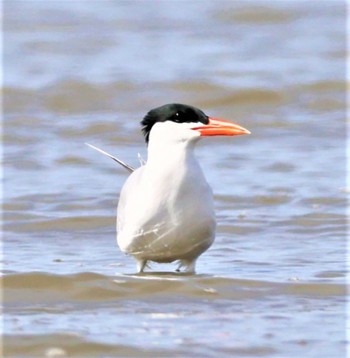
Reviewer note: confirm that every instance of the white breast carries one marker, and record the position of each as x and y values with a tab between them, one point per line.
166	212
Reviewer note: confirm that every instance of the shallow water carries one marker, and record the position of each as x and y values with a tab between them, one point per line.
274	282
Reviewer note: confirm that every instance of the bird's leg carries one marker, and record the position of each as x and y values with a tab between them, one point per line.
189	265
141	264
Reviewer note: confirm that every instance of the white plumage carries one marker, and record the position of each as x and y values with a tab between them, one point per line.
166	210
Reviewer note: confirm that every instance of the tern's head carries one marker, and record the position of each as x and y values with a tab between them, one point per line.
181	122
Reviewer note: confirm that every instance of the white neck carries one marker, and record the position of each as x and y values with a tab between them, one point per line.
171	144
169	153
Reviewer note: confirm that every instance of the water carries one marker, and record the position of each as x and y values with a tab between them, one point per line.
274	282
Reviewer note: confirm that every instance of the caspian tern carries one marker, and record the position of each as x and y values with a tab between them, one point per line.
166	210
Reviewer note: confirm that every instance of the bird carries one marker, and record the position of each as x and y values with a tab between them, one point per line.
166	211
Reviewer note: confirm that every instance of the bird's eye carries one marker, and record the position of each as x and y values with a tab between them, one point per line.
177	117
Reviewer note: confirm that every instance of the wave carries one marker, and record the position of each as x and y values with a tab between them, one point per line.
88	286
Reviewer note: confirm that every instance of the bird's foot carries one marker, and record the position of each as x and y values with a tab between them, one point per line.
188	265
141	264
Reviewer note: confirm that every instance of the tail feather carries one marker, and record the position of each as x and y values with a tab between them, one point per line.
126	166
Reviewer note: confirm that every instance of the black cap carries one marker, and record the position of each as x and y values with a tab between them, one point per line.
176	112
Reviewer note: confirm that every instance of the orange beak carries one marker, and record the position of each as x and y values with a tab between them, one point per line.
218	126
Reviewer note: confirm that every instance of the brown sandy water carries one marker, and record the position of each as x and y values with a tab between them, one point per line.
274	282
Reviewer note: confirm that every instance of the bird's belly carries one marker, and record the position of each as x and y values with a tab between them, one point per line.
168	222
169	242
